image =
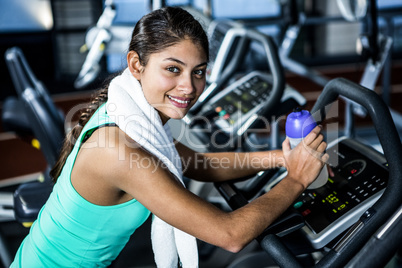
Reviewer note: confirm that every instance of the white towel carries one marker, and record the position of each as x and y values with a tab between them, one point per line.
129	109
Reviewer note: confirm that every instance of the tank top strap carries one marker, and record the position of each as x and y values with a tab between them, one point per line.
98	119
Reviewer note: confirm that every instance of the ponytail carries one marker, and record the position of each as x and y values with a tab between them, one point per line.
69	142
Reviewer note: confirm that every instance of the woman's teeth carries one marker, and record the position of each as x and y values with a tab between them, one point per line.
179	101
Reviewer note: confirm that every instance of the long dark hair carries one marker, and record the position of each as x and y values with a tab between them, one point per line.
152	33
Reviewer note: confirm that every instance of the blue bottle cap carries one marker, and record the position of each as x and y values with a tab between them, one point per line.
299	124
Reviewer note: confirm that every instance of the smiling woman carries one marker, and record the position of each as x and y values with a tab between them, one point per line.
173	79
119	164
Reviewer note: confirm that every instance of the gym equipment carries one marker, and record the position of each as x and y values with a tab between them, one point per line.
364	193
47	125
222	36
384	243
37	116
295	20
109	36
376	48
96	40
40	115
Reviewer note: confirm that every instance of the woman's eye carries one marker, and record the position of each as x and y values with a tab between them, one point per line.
200	73
173	69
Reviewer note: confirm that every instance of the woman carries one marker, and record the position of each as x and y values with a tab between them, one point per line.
119	164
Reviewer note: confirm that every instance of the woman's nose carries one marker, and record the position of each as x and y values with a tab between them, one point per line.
186	85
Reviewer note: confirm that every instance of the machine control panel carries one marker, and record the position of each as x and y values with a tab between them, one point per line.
234	105
360	177
242	105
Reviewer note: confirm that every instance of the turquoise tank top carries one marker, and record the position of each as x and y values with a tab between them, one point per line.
72	232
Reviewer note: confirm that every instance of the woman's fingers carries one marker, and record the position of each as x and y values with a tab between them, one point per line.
312	135
286	145
330	171
316	143
322	146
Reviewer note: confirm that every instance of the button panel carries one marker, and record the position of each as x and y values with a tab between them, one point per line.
242	99
357	179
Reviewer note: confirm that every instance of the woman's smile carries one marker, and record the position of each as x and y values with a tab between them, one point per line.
180	102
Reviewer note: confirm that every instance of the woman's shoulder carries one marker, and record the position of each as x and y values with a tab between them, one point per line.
101	167
108	141
112	157
110	151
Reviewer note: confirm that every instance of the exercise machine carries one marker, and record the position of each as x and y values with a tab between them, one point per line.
339	218
373	46
35	116
96	40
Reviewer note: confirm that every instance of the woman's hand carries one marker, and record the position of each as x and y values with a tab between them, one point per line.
306	160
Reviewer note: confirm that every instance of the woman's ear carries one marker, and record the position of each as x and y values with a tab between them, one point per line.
134	65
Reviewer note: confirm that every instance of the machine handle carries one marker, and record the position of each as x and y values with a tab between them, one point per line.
383	243
20	71
274	64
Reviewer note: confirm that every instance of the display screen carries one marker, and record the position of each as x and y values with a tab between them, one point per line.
242	99
336	204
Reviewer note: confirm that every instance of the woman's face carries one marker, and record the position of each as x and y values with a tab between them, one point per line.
173	78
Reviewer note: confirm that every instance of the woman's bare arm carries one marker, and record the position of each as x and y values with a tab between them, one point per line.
213	167
156	188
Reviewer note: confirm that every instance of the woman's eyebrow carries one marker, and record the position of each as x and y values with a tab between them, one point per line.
182	63
175	60
201	64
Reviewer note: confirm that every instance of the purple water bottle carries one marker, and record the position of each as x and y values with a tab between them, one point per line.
298	125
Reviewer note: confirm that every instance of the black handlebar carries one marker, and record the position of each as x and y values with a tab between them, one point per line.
20	72
46	121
